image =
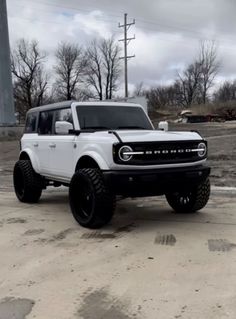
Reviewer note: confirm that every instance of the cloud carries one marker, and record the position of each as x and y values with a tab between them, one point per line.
167	31
50	27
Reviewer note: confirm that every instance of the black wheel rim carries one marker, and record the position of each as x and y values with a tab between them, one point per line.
83	200
19	182
183	199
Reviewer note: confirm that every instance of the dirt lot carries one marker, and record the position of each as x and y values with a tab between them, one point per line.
221	139
222	153
148	263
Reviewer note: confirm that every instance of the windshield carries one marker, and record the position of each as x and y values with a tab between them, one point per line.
107	117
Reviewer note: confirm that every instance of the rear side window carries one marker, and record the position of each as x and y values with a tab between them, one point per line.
30	125
45	122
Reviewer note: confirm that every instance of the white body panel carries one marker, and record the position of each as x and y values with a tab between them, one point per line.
63	156
156	136
56	156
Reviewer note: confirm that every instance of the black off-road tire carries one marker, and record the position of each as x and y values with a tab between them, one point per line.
27	183
192	200
91	203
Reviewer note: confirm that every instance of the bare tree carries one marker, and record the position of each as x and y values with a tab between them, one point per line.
70	69
226	92
30	81
139	89
103	68
94	70
189	83
192	84
158	97
163	96
210	66
196	80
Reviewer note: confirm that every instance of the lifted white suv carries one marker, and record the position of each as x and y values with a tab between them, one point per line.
101	150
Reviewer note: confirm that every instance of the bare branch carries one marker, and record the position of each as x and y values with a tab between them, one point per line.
29	78
103	69
70	69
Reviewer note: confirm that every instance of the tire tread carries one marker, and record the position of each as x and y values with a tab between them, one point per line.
33	182
104	200
200	197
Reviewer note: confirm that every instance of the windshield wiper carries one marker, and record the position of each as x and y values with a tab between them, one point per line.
132	127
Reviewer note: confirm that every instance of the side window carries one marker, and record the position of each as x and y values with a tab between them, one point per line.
30	124
64	115
45	122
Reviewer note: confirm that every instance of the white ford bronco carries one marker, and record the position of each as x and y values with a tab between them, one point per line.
105	149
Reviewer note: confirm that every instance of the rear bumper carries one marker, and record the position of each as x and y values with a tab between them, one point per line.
154	182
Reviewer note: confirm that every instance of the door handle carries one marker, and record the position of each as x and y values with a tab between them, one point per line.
52	145
35	144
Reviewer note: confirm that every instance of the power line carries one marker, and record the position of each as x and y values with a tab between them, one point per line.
88	10
156	26
49	21
117	15
148	25
64	15
126	41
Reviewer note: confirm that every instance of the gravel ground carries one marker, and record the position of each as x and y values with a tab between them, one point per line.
9	152
222	153
221	139
148	263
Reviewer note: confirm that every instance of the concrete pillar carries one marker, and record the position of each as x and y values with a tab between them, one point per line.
7	111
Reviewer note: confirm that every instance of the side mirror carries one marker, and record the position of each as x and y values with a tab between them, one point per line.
163	125
63	127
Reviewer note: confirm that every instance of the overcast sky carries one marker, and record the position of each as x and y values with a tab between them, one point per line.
167	32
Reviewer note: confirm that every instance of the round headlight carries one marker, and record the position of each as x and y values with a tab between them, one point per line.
124	153
202	149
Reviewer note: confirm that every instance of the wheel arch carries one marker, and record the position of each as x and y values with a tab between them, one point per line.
28	155
86	161
91	160
24	156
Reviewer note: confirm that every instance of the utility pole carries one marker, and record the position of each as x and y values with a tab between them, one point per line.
126	41
7	116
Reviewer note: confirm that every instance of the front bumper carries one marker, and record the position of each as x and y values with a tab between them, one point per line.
135	183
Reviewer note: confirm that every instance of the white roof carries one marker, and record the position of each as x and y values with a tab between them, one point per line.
68	104
104	103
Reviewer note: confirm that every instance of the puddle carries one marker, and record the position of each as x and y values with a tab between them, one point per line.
11	308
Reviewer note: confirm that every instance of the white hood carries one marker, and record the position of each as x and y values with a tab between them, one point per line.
156	136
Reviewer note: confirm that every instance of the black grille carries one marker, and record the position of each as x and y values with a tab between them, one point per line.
161	152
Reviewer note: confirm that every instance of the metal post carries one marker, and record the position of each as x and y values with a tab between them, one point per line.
7	116
126	57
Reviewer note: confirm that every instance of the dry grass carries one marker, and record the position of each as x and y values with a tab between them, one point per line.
171	113
214	108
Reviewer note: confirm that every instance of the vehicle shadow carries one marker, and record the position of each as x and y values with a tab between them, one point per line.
129	213
149	211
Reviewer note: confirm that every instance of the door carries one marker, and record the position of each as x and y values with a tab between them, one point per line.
44	142
62	153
